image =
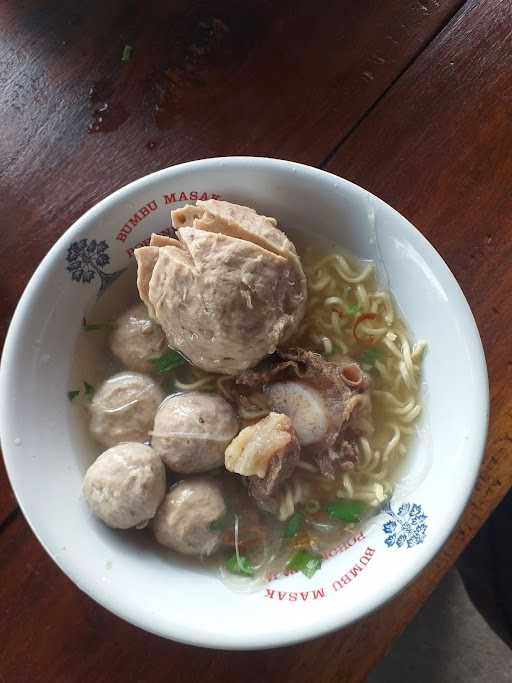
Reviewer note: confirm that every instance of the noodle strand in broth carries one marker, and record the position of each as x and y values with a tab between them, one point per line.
342	292
256	533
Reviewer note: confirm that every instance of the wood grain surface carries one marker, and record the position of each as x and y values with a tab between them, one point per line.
50	631
205	79
437	148
430	133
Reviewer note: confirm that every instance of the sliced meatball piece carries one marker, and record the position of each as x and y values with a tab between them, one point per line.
192	430
214	215
213	290
266	452
125	485
136	339
329	404
217	302
124	408
162	241
147	258
186	215
183	521
244	223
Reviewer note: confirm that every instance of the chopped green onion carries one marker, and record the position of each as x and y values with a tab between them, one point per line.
127	53
352	309
294	525
305	562
311	506
369	356
239	565
88	391
167	361
73	394
346	510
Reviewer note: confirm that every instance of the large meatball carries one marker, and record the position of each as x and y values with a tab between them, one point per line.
228	291
136	339
183	521
125	485
124	407
192	431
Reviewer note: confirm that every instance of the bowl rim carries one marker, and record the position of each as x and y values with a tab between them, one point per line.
240	641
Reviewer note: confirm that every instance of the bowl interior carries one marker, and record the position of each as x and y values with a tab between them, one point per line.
172	597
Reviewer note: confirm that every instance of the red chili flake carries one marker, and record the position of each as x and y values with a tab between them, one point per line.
358	321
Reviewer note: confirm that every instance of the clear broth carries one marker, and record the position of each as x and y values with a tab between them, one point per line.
261	536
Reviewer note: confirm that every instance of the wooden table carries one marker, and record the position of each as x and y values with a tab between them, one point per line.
412	100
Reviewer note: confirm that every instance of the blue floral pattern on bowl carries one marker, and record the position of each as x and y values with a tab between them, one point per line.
86	260
406	527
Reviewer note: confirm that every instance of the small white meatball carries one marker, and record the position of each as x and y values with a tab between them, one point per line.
124	407
192	431
184	518
125	485
305	407
136	339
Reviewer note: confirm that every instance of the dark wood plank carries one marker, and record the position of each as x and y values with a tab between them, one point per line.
438	148
7	499
205	79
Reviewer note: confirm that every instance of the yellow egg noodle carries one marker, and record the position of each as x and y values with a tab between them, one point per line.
344	296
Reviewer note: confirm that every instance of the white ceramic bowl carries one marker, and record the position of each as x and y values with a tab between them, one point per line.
168	596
